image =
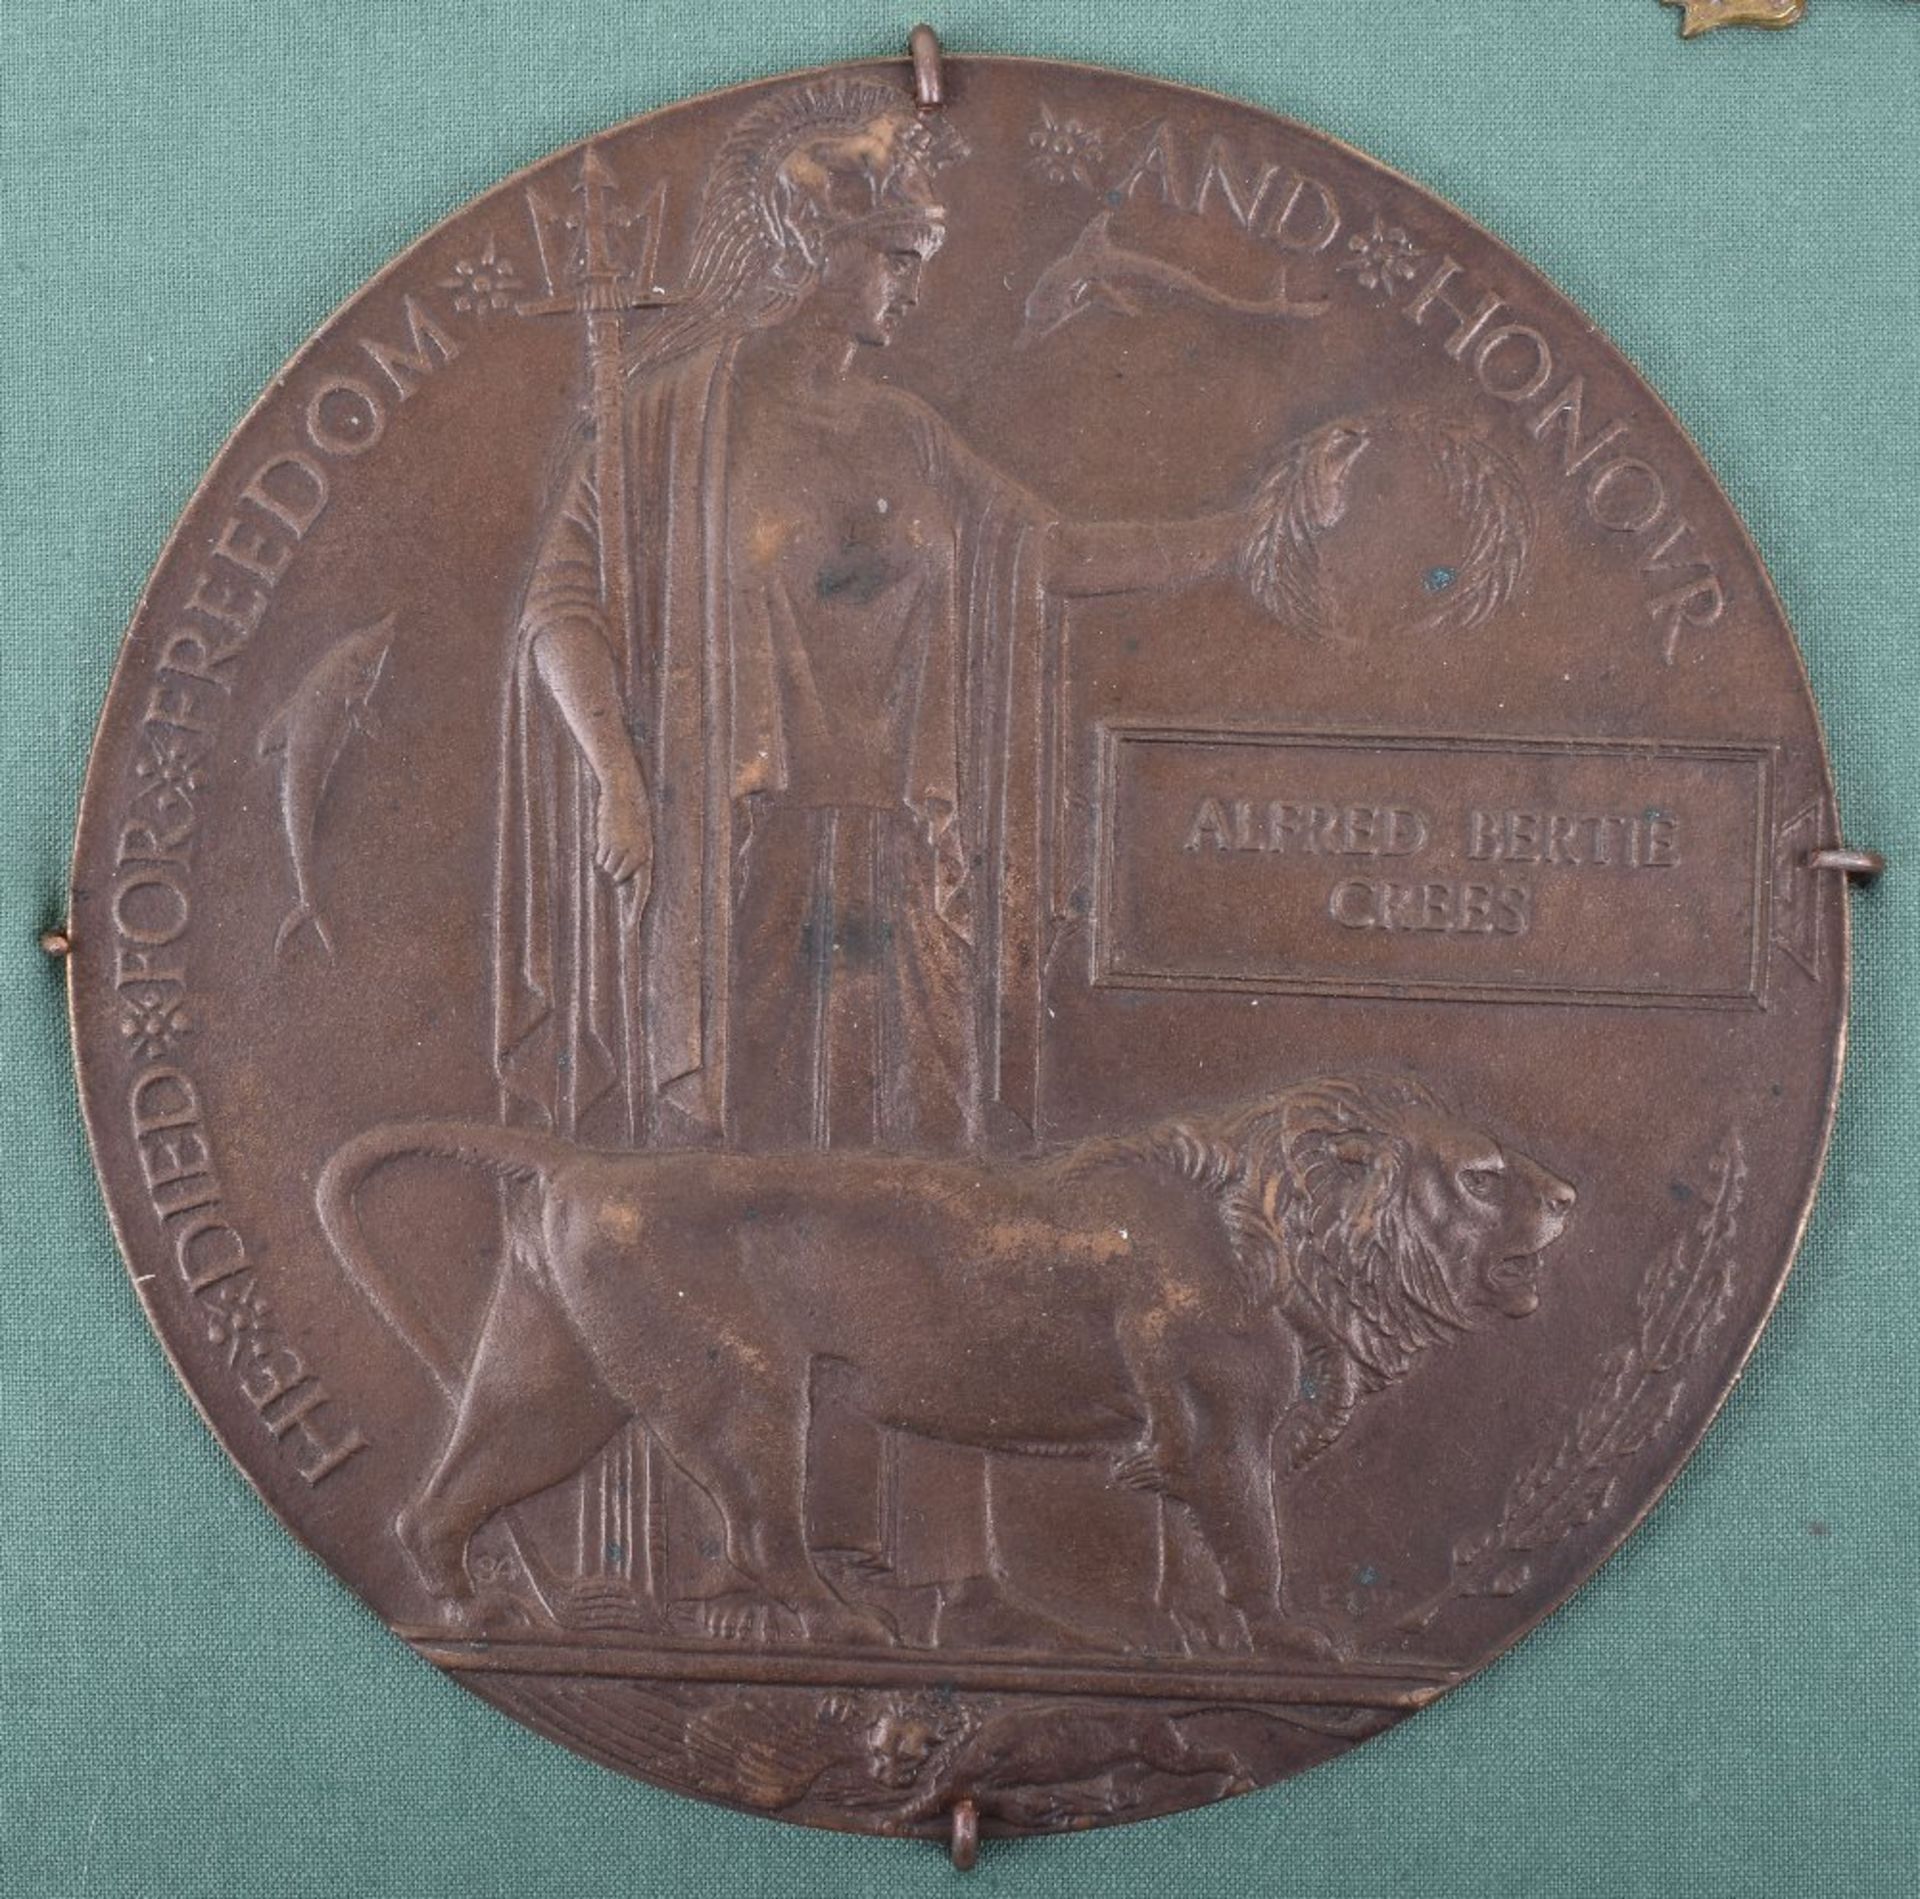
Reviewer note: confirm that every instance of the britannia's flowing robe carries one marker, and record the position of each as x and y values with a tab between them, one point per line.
897	804
848	766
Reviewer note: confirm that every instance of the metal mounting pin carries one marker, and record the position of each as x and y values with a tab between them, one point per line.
964	1841
1861	867
923	43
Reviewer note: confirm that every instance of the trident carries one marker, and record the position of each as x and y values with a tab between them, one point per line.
603	293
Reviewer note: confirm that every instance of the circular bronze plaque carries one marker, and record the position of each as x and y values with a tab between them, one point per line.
958	966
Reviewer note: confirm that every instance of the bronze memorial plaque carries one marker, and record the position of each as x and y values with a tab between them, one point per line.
960	952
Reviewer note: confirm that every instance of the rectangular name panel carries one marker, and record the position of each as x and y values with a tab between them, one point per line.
1434	866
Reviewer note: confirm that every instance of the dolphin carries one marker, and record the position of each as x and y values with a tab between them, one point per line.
309	733
1094	270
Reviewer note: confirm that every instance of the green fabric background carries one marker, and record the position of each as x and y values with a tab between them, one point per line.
189	1705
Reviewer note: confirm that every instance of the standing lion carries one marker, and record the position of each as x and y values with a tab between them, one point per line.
1199	1307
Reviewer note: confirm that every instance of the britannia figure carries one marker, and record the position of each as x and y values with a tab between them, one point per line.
774	845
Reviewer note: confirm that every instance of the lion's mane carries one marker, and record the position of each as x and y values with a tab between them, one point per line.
1311	1188
950	1726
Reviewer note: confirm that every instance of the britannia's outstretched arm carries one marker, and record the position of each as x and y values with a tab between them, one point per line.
1301	497
1108	557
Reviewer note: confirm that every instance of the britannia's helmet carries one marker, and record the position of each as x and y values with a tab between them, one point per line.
809	163
859	160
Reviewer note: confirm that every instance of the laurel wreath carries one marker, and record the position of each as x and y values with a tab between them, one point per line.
1281	560
1681	1305
1487	493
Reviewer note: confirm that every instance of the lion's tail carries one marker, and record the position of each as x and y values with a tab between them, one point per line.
510	1154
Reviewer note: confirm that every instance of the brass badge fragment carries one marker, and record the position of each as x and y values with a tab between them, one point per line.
1704	16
